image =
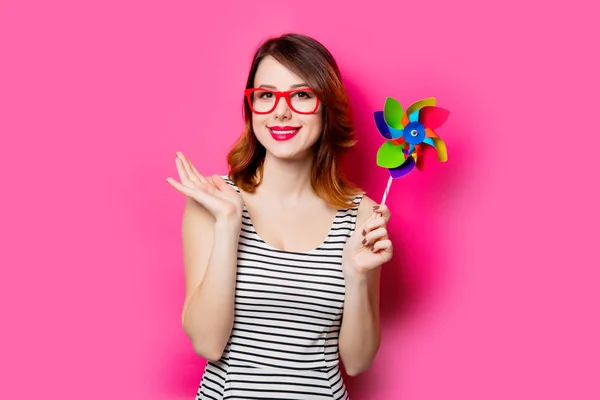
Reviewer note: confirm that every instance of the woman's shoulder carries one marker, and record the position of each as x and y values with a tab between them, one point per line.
366	202
361	201
230	182
226	178
365	208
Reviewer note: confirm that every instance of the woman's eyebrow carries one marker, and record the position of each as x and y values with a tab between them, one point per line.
291	87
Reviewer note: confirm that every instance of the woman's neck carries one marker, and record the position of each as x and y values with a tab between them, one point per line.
286	180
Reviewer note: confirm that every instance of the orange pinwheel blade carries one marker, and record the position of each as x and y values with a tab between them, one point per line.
404	121
399	141
431	134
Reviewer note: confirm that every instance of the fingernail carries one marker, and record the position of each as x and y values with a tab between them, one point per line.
364	241
376	207
364	233
373	248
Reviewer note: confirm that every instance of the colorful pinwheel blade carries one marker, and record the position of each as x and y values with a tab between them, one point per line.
403	169
382	127
396	133
405	147
430	101
429	141
390	155
393	113
399	141
439	146
442	152
419	162
430	133
433	117
404	120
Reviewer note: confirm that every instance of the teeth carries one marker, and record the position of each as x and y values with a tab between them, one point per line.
285	132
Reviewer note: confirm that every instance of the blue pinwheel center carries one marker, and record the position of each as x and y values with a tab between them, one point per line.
414	132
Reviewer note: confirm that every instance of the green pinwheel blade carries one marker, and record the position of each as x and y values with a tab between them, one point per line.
390	155
392	113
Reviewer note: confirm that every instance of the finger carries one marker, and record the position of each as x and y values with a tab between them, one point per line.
201	178
188	169
373	224
192	168
210	202
183	175
375	236
383	211
383	246
220	183
181	188
380	213
210	182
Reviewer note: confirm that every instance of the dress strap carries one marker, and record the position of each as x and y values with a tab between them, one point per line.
354	210
230	182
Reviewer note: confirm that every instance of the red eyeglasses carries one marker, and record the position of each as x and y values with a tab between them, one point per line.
264	101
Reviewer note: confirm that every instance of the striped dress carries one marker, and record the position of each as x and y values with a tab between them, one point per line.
288	313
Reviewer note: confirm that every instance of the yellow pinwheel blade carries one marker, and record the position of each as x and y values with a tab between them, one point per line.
442	152
429	101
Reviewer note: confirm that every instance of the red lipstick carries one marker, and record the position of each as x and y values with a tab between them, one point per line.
282	133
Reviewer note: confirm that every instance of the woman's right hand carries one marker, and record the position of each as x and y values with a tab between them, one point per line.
213	193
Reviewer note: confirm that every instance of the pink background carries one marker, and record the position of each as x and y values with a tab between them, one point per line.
492	293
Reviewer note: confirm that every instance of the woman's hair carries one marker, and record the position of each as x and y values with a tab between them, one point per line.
310	60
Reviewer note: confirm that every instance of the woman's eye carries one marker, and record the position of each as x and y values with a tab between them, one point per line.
302	95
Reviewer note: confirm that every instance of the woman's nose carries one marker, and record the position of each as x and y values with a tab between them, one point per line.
282	109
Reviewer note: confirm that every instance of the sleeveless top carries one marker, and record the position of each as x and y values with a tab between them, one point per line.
288	314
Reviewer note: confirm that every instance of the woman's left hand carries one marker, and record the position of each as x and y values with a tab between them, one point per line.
369	246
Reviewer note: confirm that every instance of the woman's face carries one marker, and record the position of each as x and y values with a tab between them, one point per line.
283	132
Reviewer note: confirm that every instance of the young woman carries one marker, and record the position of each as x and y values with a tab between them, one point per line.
282	255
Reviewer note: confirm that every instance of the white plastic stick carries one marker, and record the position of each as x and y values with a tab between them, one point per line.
387	189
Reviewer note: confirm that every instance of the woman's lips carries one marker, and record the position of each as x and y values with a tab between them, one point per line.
285	133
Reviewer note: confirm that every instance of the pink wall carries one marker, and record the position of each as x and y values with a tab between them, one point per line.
492	293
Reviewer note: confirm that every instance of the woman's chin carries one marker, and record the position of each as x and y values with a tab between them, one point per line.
289	154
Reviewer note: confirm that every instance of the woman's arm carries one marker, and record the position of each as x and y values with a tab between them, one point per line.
360	331
210	260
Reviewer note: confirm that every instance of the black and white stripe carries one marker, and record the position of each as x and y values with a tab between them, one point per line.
288	312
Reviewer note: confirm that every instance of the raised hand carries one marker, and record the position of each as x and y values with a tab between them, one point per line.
220	199
369	246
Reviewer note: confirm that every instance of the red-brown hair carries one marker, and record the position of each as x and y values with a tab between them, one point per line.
310	60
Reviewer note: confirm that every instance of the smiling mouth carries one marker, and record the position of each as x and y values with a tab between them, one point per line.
283	134
288	130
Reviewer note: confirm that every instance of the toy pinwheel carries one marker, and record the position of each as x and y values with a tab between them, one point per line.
406	132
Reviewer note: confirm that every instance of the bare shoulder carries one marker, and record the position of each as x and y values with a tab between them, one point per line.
365	209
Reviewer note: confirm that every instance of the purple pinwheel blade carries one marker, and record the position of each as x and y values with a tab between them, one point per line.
403	169
382	126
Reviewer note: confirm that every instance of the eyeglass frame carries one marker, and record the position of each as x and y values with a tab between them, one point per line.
278	95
